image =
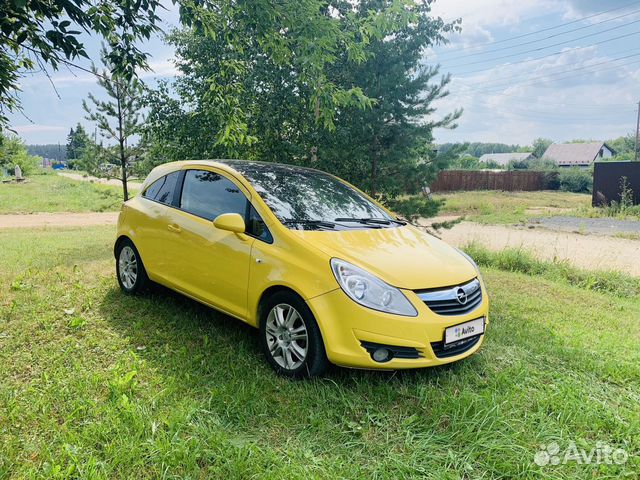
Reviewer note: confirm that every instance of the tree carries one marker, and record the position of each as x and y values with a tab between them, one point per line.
13	152
540	146
386	143
624	147
77	141
117	120
34	33
284	113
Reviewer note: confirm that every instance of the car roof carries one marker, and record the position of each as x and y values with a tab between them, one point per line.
242	168
247	167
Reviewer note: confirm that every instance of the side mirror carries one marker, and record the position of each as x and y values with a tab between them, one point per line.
232	222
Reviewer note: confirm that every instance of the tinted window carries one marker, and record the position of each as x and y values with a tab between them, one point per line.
162	189
209	194
295	193
257	227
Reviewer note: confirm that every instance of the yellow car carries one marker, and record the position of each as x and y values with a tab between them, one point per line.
326	273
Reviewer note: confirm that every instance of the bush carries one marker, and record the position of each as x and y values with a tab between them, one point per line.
550	180
13	152
575	180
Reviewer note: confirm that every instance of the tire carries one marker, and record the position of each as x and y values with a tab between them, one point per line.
130	272
287	329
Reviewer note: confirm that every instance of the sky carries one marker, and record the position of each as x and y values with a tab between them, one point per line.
573	72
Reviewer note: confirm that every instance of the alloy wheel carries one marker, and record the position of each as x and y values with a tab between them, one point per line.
287	336
128	267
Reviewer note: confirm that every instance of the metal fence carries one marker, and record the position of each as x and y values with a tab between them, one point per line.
608	179
453	180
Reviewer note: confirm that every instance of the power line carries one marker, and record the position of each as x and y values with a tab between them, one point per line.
561	52
547	46
547	37
543	29
551	76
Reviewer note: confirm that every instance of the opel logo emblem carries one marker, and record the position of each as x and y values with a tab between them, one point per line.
461	296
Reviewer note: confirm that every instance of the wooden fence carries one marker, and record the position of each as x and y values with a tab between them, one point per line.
452	180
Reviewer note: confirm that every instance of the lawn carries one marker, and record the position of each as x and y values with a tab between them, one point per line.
99	385
53	193
513	207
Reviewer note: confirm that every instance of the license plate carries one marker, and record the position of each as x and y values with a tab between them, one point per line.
463	330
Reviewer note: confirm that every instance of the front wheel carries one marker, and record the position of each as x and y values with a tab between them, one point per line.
290	337
130	271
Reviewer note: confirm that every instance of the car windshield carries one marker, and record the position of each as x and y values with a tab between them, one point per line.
309	199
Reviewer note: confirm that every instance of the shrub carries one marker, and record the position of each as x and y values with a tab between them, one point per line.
550	180
575	180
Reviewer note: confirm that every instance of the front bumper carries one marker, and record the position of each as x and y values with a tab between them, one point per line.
345	325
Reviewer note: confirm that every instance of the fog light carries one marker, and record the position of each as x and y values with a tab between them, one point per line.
381	355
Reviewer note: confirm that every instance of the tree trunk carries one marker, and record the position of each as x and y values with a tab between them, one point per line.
121	140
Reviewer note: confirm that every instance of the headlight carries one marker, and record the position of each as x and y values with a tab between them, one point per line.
475	265
369	291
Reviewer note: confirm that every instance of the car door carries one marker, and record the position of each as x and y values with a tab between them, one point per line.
152	234
209	264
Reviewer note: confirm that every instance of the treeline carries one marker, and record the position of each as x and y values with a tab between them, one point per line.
52	151
477	149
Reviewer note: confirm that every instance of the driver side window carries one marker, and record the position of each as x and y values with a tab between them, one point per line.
209	194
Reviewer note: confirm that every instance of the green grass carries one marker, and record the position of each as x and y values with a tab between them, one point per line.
512	207
519	260
96	384
53	193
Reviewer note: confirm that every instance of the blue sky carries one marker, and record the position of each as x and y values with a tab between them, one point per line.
552	84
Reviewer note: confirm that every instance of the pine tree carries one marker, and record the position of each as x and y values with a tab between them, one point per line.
389	145
118	120
77	142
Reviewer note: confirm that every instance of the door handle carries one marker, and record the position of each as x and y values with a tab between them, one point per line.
174	228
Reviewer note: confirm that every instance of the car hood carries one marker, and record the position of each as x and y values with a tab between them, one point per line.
404	257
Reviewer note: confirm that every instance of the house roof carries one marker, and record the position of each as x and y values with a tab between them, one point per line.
505	158
567	154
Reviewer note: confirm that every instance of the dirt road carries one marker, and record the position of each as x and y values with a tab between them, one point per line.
104	181
58	220
593	252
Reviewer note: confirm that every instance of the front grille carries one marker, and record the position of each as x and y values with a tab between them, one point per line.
396	351
455	348
456	300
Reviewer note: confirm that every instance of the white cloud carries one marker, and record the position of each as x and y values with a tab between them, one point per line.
516	103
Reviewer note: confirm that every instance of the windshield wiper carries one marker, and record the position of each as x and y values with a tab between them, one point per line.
314	223
369	221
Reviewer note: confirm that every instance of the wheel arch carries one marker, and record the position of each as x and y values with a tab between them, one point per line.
267	294
119	241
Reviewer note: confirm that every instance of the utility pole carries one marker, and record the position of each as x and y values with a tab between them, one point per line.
637	132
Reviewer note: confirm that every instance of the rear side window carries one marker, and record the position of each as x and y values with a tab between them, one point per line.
162	190
209	194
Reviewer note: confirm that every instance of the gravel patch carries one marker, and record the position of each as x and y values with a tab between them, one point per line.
595	226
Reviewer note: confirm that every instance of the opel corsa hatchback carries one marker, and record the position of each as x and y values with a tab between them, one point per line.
325	272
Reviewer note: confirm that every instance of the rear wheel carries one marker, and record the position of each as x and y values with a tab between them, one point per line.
290	337
130	271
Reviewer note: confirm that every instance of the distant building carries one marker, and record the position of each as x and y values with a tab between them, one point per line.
578	154
504	158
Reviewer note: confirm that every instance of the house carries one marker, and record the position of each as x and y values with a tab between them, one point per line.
578	154
503	159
